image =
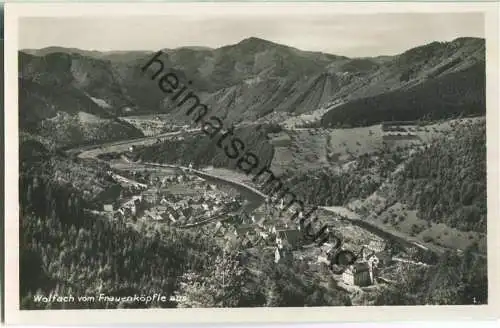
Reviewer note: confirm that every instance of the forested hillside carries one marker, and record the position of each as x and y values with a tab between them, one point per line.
331	187
88	179
54	100
68	251
201	150
454	280
446	182
458	93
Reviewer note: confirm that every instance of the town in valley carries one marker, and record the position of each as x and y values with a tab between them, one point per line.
122	193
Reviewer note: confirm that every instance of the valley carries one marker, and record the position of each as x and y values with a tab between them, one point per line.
391	150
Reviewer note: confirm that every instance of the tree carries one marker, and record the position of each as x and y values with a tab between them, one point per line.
221	286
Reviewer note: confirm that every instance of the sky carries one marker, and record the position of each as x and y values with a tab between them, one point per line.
351	35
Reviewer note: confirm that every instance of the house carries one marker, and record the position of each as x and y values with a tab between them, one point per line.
282	255
281	204
327	247
243	229
359	274
172	217
161	209
377	245
155	216
261	222
371	253
127	211
384	258
263	234
130	207
237	219
220	229
189	211
165	215
315	267
323	259
183	203
108	207
289	237
274	229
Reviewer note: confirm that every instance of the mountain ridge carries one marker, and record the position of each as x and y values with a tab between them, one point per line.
51	49
249	80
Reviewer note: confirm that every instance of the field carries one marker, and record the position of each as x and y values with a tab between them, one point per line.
304	149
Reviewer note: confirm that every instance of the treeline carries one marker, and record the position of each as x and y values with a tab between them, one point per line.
458	93
446	182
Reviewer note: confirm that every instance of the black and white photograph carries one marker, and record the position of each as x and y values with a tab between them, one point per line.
260	158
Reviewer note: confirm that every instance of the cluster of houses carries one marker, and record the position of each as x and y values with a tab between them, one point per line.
287	242
128	208
188	209
159	204
259	229
150	179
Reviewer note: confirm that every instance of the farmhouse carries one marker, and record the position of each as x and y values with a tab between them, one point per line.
244	229
359	274
288	238
282	255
